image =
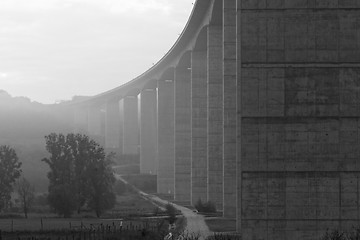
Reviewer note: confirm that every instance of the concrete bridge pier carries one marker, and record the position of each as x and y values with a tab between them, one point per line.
183	129
80	119
112	126
96	123
230	108
130	125
215	116
199	119
166	139
148	131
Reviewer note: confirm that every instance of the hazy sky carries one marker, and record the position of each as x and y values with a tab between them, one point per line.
54	49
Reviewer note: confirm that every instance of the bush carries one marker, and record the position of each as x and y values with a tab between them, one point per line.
171	212
207	207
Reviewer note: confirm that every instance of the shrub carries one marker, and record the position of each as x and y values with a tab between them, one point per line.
207	207
171	212
334	235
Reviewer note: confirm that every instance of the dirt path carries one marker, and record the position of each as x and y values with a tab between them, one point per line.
195	223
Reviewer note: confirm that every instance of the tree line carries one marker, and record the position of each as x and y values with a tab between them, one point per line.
80	176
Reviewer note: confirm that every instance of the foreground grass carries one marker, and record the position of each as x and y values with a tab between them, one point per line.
128	208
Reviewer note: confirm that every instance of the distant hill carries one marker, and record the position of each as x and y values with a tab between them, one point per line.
23	125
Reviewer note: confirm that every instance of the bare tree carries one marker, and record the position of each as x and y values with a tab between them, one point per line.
26	194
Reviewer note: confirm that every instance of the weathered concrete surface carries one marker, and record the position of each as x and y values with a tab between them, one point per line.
230	108
300	114
199	126
112	126
148	131
215	115
166	138
183	130
131	126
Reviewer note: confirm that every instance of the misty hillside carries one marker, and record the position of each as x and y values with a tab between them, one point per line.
23	125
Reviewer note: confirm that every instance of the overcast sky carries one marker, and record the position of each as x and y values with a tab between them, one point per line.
51	50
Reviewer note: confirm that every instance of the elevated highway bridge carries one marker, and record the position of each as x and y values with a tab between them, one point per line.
256	108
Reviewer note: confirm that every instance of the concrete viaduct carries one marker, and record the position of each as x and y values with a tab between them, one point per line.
256	108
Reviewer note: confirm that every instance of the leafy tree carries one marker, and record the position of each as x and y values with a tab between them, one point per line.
26	194
61	175
9	172
80	174
102	179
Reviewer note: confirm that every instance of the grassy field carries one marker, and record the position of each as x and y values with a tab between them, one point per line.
132	204
128	208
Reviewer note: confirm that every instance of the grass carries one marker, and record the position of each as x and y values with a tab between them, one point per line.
221	224
129	206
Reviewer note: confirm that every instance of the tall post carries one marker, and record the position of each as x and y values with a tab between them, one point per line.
230	108
96	123
131	126
215	116
80	119
148	131
238	119
183	129
112	126
199	123
166	144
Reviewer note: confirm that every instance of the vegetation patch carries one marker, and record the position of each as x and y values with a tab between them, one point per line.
217	236
127	169
205	207
221	224
144	182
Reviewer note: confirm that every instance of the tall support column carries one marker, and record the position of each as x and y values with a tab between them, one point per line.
112	126
215	116
199	126
183	131
238	120
148	131
166	139
131	126
96	123
230	108
94	120
80	120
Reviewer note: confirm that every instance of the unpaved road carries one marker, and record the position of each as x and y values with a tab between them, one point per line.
195	223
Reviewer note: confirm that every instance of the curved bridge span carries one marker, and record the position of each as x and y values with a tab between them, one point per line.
256	108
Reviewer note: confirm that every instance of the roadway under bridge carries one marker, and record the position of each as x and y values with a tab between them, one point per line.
256	108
